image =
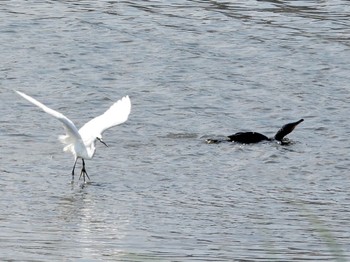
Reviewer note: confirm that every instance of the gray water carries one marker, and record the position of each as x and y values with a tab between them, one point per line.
193	70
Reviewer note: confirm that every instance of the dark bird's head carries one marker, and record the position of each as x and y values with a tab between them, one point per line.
286	129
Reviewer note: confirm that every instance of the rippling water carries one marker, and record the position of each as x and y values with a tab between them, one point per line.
193	70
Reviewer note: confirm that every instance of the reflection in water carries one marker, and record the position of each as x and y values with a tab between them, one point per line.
94	228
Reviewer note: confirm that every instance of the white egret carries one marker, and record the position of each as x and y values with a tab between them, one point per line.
81	143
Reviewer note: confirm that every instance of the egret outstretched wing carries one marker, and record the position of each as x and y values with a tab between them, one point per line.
118	113
82	142
72	136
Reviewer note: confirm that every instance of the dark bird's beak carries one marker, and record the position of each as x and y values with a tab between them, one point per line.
103	142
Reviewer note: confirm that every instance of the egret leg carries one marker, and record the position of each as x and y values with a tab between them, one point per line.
74	168
83	171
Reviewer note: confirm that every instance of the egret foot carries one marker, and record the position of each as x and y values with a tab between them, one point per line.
83	172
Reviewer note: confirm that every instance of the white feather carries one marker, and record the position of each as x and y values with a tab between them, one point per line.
117	114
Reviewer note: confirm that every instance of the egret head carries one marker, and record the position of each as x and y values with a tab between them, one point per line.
99	138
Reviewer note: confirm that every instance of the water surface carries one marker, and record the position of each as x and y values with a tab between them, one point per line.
193	70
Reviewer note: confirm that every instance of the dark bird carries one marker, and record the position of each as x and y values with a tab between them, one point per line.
254	137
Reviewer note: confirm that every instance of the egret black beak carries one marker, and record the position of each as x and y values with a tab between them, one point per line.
103	142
